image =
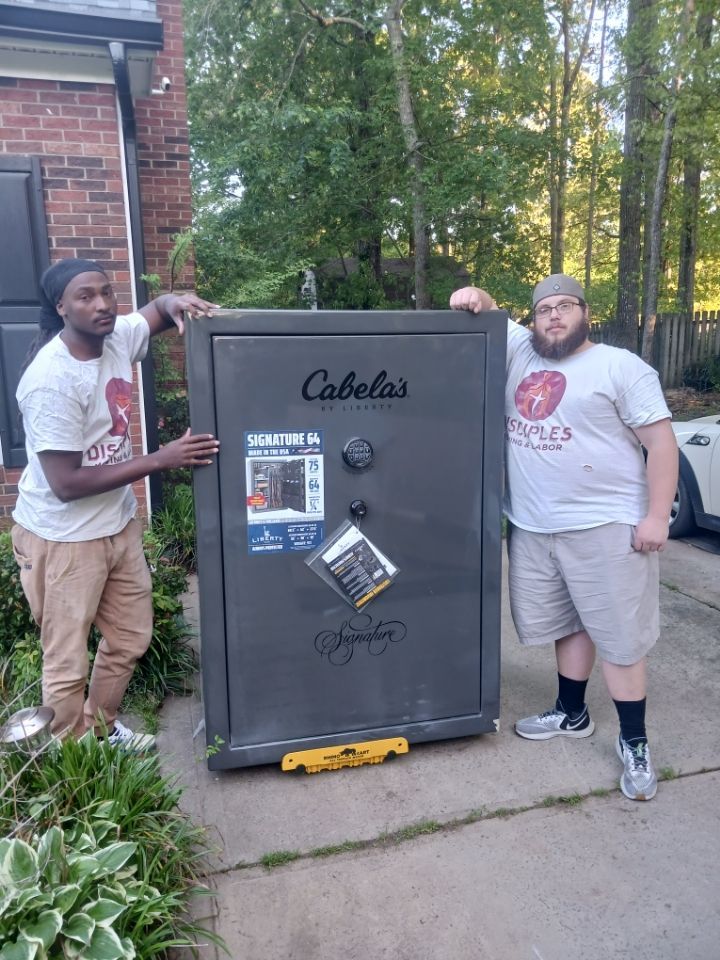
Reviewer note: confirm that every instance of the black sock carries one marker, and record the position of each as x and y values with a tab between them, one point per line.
571	695
632	719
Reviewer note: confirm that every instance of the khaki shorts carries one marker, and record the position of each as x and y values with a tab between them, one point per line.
593	580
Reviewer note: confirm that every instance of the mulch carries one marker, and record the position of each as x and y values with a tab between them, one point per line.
686	403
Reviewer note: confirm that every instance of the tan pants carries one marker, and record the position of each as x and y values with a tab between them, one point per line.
70	586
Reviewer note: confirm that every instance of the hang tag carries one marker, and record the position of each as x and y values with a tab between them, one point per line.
353	566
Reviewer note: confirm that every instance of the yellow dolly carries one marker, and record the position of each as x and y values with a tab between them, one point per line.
344	755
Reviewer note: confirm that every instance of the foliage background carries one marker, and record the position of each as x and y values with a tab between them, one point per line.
299	158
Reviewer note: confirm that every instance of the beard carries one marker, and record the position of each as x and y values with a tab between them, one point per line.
553	348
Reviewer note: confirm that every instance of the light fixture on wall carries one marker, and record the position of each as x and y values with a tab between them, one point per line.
165	84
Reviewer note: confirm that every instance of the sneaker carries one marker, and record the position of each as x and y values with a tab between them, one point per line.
638	781
121	736
555	723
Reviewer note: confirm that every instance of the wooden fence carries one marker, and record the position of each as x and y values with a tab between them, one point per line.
680	342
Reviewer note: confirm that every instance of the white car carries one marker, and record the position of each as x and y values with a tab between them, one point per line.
697	502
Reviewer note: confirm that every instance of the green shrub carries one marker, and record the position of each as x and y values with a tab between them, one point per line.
174	525
16	622
97	860
703	376
174	416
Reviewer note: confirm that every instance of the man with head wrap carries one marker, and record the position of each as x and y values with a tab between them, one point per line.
76	539
586	515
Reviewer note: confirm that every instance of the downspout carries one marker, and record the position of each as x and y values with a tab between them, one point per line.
136	249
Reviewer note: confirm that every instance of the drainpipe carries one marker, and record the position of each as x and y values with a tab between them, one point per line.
136	249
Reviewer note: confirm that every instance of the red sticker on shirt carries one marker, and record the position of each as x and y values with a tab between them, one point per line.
118	394
539	394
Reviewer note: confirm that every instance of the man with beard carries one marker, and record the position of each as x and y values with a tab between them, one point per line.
75	538
587	515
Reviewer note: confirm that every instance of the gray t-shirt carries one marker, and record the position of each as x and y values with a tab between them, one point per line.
573	460
79	405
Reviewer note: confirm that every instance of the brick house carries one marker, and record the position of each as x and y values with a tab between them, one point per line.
93	163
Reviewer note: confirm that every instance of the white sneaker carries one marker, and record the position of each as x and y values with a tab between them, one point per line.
123	737
638	781
555	723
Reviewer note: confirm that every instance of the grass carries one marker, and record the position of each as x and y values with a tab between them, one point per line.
417	830
347	846
279	858
573	800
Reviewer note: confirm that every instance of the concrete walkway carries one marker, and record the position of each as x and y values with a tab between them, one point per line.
490	847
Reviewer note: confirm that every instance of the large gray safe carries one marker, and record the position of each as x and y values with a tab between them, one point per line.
390	420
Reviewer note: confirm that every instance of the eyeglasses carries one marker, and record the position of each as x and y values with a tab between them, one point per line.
563	308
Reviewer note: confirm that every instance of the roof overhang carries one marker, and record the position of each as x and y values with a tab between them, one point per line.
53	45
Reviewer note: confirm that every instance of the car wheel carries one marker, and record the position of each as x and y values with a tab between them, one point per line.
682	515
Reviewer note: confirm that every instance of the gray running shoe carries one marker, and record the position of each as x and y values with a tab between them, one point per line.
555	723
638	781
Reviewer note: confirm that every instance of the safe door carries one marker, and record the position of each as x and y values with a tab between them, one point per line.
317	414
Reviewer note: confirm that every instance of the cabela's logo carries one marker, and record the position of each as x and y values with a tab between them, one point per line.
339	645
319	386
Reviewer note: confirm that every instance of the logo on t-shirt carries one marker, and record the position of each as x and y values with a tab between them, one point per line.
538	394
118	394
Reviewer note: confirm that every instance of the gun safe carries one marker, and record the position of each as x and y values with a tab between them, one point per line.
369	443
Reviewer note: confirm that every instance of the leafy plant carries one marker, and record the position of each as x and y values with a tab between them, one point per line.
703	376
16	621
174	525
153	283
98	862
20	673
62	895
174	418
180	255
215	747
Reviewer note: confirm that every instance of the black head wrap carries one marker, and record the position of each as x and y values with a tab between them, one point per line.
52	286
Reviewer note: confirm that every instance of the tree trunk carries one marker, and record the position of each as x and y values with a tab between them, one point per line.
594	157
553	161
631	190
655	238
560	132
415	160
692	174
656	232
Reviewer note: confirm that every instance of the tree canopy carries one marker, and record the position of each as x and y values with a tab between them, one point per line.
505	134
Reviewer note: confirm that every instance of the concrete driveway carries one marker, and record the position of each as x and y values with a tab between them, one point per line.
490	847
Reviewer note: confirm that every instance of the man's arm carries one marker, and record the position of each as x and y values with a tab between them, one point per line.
662	474
70	480
167	311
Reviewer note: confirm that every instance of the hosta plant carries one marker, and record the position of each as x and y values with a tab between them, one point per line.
63	894
95	832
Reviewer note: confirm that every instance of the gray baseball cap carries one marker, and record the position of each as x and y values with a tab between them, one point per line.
556	284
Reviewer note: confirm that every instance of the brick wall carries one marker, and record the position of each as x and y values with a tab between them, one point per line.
163	159
73	129
163	153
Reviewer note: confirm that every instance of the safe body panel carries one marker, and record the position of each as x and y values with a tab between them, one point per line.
287	663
